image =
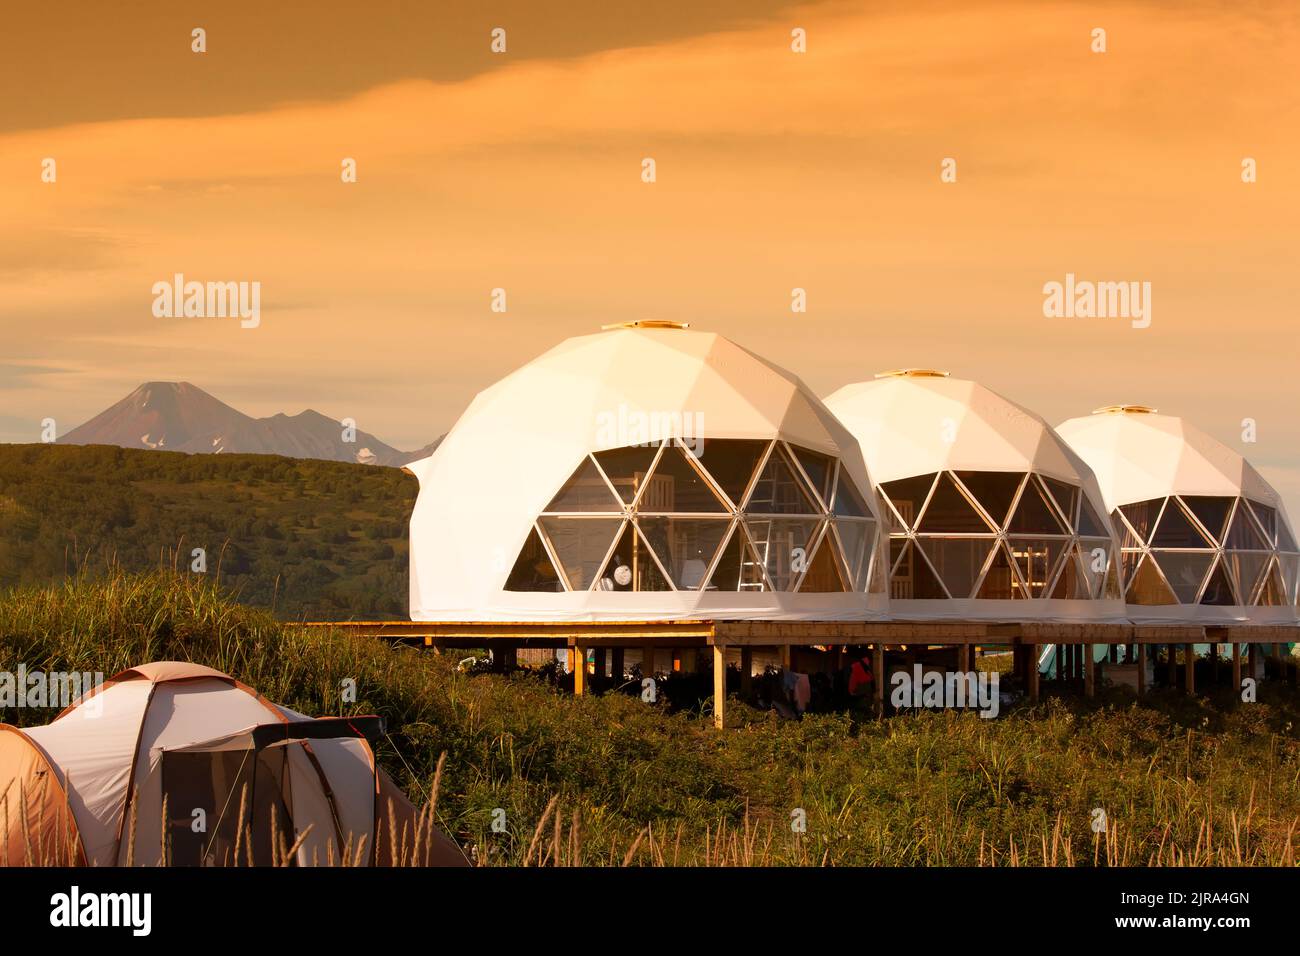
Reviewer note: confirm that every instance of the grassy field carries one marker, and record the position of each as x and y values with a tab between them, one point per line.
611	780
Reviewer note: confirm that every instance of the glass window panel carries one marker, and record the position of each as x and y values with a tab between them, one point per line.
627	468
957	561
630	566
908	495
1148	588
994	490
848	503
1090	523
1211	511
1113	590
950	512
1129	561
779	491
533	570
685	546
1095	555
1285	541
1272	591
1065	495
819	468
1000	583
1074	583
1290	574
1037	559
913	579
731	462
1218	591
892	519
1033	515
1267	520
585	490
1142	516
739	568
1175	530
1128	540
581	545
675	485
783	545
1242	534
823	575
1184	571
855	541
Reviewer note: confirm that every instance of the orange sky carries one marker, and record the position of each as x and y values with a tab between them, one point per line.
775	170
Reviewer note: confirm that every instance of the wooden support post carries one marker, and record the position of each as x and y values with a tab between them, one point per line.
1236	667
1089	670
1189	669
579	671
785	657
1252	662
1173	666
688	658
746	672
510	657
878	672
617	668
1142	669
1214	663
648	661
719	685
1033	672
600	661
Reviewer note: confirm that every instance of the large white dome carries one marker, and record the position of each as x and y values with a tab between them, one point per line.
646	472
1204	536
992	516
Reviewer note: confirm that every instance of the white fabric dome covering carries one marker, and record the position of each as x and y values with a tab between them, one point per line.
646	472
1204	536
992	516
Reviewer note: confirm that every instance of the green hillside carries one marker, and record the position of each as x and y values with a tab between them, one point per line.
308	538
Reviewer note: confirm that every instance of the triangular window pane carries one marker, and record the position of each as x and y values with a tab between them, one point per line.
994	490
1090	523
533	570
1038	560
1000	583
783	545
819	468
685	546
1185	571
731	463
1246	567
1176	530
1211	511
585	491
1148	588
1218	591
1095	555
1073	583
950	512
1290	572
1242	534
1267	516
630	566
627	468
739	568
778	491
1142	516
823	575
1113	590
581	545
908	496
855	539
1065	495
1271	593
848	503
957	561
1284	540
1033	514
676	486
913	580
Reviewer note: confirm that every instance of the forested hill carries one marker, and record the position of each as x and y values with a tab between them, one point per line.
315	539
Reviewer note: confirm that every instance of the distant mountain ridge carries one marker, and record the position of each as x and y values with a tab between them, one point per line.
179	416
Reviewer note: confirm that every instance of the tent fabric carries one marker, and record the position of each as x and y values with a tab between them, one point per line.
923	425
1140	456
521	439
106	757
36	823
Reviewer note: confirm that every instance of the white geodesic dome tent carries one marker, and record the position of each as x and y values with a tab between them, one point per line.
646	472
991	515
1203	535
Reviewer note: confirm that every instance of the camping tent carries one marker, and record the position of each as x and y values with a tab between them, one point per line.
645	472
1204	537
991	515
90	787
